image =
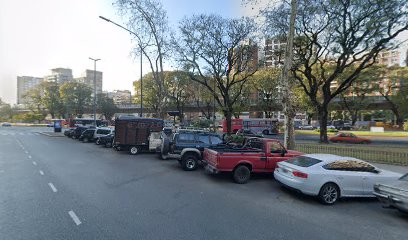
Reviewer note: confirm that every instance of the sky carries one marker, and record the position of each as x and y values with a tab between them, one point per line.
36	36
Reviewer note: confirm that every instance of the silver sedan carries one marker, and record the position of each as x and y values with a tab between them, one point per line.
330	177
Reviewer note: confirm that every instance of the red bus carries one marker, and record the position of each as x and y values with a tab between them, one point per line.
258	125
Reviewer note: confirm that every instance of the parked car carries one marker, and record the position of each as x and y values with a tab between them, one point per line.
76	133
330	177
348	138
69	132
187	147
307	127
87	135
6	124
394	194
133	133
102	131
257	155
106	141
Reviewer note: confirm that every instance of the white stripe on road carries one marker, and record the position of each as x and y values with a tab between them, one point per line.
41	173
26	152
29	156
54	189
34	163
74	217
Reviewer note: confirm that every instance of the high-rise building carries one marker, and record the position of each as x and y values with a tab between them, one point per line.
274	52
121	96
59	75
24	84
248	56
88	78
389	57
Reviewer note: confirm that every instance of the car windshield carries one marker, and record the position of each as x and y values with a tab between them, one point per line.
303	161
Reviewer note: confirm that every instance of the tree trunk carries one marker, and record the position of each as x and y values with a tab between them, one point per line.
323	115
354	117
287	99
228	119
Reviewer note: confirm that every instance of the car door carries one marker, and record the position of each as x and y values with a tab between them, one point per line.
275	155
256	156
370	176
346	176
184	140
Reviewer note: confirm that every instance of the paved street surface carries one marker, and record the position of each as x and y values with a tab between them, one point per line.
59	188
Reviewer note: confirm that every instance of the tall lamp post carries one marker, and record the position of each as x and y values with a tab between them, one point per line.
94	88
141	59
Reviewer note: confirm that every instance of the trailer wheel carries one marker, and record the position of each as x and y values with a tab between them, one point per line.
133	150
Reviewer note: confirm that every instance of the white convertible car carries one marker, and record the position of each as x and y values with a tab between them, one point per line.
330	176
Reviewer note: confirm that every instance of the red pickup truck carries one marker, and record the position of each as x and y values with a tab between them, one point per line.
258	155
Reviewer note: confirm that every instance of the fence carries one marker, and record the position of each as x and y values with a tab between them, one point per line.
397	156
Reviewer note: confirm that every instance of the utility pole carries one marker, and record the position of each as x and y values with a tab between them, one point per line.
286	82
94	89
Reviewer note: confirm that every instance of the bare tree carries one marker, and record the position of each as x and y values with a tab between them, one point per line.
148	20
335	36
212	48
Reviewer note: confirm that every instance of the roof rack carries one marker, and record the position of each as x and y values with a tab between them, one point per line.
192	129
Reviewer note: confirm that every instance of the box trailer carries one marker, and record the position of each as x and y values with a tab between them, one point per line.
133	133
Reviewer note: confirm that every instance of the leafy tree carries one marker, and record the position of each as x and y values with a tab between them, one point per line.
34	101
51	99
333	37
266	83
211	48
393	87
150	96
76	97
148	21
106	106
179	90
6	112
203	99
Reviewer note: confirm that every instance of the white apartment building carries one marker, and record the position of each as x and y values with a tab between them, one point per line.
24	84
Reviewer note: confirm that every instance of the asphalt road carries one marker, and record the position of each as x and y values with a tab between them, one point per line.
59	188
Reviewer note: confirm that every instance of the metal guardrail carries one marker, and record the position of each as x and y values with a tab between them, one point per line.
390	156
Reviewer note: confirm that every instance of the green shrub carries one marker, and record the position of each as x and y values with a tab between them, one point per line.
406	126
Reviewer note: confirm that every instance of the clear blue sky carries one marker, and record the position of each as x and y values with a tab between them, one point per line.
37	35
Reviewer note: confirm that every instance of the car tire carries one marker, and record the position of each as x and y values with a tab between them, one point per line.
241	174
165	146
98	141
265	132
163	157
189	162
133	150
329	193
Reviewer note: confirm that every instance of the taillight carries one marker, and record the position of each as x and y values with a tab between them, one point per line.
299	174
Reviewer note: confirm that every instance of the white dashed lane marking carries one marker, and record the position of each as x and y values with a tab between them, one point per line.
34	163
74	217
53	188
29	156
41	173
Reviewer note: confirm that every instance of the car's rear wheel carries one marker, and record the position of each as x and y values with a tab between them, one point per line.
241	174
189	162
329	193
133	150
98	141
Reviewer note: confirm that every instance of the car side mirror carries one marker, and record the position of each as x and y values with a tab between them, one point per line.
284	151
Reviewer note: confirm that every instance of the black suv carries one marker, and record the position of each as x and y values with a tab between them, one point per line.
76	133
188	147
87	135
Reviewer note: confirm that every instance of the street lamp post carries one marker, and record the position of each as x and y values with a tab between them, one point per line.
94	88
141	60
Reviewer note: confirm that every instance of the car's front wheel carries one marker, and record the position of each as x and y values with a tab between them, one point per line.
329	193
189	162
98	141
241	174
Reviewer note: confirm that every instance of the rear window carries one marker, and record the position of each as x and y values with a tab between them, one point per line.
303	161
404	178
103	131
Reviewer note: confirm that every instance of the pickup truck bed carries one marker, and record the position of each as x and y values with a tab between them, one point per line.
244	161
